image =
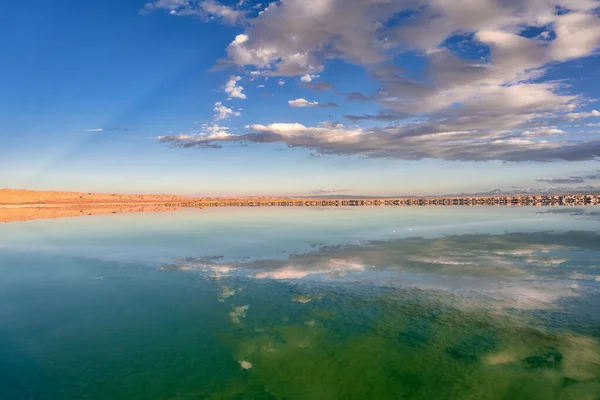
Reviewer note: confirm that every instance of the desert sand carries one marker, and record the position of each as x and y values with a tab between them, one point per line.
23	205
33	197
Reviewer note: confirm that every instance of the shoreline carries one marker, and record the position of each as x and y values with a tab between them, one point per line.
24	205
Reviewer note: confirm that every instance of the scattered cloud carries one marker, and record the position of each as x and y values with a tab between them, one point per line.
281	82
208	137
307	78
206	9
544	132
305	103
411	142
583	115
356	96
223	112
317	86
501	105
302	103
234	90
592	176
554	189
108	129
330	191
254	75
571	179
382	116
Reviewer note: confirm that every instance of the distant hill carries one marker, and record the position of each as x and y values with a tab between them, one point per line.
549	190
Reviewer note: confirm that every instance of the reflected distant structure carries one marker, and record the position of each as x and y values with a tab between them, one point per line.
78	205
529	200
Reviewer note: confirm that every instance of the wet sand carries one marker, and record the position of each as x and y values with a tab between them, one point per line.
31	213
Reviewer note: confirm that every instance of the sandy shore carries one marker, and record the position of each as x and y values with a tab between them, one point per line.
23	205
32	197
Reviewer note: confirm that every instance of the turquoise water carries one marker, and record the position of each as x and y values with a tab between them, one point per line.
302	303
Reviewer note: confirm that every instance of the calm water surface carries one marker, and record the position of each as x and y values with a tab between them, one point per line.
303	303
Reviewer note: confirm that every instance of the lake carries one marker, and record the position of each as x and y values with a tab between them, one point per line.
303	303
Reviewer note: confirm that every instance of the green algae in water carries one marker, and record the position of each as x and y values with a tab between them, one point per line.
171	335
81	328
454	353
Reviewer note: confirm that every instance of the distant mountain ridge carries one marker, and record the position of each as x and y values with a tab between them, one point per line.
494	192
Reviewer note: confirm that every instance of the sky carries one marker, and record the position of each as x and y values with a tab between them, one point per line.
300	97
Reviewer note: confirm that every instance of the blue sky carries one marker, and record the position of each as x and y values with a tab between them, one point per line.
300	97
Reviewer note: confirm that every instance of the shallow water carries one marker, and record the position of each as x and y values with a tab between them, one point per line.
302	303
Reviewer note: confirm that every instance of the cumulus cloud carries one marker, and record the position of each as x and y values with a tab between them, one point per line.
223	112
497	106
302	103
410	142
305	103
207	10
234	90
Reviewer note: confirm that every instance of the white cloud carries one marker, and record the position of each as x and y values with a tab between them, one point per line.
305	103
254	75
234	90
308	77
302	103
577	35
583	115
260	86
544	132
95	130
330	191
223	112
281	82
204	137
502	106
412	142
206	9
